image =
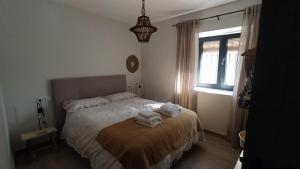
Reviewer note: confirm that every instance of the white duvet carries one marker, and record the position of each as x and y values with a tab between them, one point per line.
82	127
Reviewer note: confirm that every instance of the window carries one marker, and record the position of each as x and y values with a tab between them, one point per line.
217	61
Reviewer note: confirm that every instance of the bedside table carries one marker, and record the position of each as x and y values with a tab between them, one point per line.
30	136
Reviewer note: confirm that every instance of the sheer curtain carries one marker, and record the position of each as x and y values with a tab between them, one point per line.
249	36
209	62
186	60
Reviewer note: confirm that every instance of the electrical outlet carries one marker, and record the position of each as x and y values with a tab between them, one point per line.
44	99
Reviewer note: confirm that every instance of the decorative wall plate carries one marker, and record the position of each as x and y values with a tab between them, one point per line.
132	63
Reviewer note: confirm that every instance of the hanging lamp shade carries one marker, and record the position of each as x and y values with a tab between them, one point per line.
143	28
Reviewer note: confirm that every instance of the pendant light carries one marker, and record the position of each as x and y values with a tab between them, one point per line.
143	28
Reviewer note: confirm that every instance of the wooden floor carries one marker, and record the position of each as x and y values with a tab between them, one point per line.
215	153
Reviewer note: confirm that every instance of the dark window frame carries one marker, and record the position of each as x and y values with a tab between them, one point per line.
222	60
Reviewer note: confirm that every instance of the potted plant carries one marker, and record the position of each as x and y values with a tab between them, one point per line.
245	95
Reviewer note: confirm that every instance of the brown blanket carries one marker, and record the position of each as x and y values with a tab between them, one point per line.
140	147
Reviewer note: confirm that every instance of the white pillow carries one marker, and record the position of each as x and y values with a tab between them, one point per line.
120	96
73	105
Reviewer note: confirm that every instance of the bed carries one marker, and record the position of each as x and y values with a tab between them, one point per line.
81	128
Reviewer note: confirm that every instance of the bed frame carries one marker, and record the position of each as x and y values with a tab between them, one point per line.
80	88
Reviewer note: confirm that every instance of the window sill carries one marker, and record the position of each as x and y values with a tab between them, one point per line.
214	91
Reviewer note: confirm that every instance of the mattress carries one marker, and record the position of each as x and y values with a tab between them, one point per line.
82	127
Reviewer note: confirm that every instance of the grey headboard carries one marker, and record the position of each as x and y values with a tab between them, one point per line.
83	87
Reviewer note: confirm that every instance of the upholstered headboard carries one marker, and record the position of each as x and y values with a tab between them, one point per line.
83	87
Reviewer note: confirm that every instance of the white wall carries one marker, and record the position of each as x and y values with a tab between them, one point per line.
41	40
6	161
159	60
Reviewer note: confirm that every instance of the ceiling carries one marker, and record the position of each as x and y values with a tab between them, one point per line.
128	10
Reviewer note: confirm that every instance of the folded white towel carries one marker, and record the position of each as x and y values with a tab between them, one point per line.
150	120
174	105
170	109
148	114
170	114
149	125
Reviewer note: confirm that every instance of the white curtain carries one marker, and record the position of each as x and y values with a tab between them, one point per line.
186	60
248	40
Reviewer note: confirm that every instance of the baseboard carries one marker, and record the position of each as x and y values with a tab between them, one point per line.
216	134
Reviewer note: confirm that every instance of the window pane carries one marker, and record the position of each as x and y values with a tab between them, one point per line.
231	60
209	62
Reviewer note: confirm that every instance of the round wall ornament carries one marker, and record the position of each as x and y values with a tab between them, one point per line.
132	63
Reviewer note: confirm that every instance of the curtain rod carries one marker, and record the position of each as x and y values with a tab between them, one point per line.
218	16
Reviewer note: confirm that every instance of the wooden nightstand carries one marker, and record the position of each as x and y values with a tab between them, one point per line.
30	136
